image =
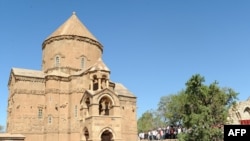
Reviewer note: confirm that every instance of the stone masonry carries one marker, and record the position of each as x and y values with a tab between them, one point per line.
72	98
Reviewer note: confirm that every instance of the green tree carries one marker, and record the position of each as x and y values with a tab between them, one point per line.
171	107
158	120
205	109
163	106
150	120
145	122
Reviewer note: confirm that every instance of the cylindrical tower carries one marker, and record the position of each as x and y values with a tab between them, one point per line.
70	48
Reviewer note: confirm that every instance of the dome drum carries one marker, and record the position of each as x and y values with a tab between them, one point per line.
61	53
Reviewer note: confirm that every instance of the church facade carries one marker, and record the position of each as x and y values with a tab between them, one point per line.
72	97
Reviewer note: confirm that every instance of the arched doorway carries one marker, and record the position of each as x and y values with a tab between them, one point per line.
107	136
85	136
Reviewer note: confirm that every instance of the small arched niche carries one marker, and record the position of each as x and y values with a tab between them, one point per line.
85	134
87	102
57	60
95	83
105	106
104	82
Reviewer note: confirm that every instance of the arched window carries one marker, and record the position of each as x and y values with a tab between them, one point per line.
50	119
76	112
87	102
103	81
40	113
85	134
95	83
238	114
57	61
82	62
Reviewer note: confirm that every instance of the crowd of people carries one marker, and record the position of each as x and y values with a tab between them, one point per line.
169	132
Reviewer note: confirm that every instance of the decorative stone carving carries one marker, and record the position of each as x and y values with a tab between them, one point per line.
64	105
71	37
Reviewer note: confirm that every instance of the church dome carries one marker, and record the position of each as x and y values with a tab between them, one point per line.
71	47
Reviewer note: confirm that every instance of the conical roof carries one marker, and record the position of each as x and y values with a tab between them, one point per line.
73	26
99	65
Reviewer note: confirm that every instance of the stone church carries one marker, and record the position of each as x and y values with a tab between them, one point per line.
72	97
240	113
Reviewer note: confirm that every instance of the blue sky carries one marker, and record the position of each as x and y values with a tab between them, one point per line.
152	47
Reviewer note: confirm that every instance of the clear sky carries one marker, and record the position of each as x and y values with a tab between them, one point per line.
151	46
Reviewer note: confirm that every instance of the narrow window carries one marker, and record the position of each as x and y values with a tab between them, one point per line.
95	83
40	113
49	119
76	111
87	103
57	61
82	63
